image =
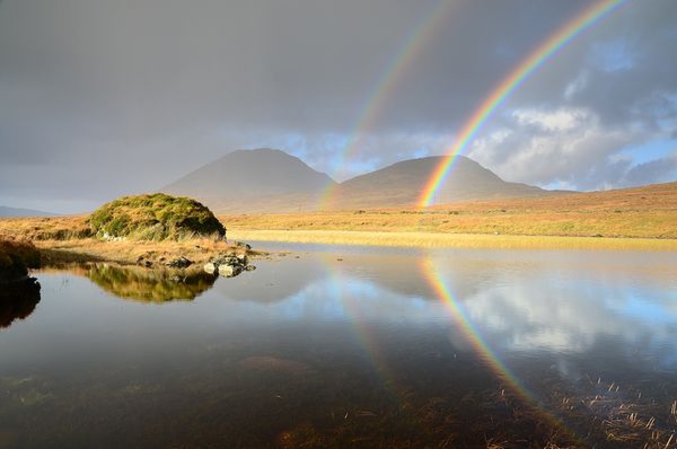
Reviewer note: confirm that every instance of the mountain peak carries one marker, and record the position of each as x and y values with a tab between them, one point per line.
262	179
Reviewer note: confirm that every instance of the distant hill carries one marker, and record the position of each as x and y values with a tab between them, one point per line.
261	180
266	180
16	212
401	184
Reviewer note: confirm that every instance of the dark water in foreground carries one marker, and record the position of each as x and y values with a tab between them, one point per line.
382	348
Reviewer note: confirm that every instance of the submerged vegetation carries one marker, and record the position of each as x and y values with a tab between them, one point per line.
154	217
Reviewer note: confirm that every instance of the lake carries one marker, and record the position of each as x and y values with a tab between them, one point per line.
339	346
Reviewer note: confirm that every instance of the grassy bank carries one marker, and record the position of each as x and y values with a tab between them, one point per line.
16	257
133	252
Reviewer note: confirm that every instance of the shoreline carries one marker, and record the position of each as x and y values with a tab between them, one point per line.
417	239
148	254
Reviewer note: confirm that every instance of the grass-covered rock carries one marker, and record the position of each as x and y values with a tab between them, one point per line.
16	257
155	217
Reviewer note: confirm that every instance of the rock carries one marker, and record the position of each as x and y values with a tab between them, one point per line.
179	262
210	268
250	267
229	270
242	258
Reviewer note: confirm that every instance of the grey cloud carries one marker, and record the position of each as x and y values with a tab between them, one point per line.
658	170
171	85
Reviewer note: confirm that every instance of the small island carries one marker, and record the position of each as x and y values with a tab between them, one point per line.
154	231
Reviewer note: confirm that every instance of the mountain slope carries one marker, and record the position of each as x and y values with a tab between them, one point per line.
254	180
17	212
400	184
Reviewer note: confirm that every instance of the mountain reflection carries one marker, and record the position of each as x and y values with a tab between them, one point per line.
144	285
18	301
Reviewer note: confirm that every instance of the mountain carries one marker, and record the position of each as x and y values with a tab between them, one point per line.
266	180
261	180
401	184
15	212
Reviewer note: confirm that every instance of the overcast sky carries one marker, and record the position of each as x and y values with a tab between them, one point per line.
100	98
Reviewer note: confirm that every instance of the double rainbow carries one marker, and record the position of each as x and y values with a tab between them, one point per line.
536	59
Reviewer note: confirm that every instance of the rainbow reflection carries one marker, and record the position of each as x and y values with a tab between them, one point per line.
474	336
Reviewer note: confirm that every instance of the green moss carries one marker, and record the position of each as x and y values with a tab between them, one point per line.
155	217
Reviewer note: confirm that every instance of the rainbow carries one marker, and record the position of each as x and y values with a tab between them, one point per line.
536	59
416	40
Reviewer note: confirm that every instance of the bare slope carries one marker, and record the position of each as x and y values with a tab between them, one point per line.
254	180
400	184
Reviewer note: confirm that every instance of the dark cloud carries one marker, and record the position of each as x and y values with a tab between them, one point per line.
128	95
658	170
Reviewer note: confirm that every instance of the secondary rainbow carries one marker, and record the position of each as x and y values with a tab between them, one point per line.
540	55
416	40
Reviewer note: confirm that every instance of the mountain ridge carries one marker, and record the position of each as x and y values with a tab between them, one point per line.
6	211
271	180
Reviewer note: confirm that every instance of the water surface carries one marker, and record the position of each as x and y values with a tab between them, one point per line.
332	346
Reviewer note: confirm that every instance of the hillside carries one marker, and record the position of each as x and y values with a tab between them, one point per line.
400	184
17	212
254	180
646	212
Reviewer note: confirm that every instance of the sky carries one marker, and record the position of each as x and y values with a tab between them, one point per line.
104	98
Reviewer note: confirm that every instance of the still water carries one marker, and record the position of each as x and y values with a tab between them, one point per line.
331	346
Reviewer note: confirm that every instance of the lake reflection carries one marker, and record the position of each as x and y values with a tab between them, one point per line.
147	285
344	346
18	301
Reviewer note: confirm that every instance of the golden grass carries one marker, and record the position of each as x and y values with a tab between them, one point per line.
438	240
642	213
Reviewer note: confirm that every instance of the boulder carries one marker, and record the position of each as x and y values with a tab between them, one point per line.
210	268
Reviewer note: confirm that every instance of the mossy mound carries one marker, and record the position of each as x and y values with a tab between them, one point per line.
154	217
16	257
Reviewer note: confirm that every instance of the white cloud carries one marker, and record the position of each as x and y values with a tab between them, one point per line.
559	120
565	146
